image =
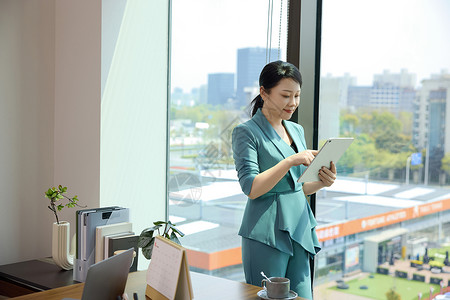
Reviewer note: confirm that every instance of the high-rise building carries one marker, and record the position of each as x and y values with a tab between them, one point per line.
432	114
437	106
250	62
358	96
394	92
180	98
199	94
404	79
220	88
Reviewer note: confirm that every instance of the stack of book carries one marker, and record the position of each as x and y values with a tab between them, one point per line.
115	237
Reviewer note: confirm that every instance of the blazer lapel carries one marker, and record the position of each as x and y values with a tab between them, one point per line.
284	149
297	139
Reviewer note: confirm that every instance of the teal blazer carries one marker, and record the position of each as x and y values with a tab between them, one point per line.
282	214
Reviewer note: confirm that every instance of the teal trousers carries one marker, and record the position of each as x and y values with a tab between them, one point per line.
257	257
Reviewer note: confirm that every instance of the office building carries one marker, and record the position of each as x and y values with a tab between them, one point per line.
179	98
200	94
432	108
358	96
250	62
393	92
220	88
404	79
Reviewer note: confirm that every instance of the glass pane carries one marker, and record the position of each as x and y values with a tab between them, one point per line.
384	82
218	51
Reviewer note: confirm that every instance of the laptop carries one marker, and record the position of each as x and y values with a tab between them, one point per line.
106	279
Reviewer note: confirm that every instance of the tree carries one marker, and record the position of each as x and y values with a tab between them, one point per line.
348	123
406	118
446	163
392	295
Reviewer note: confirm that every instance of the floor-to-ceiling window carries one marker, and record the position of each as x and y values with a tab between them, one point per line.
218	49
384	81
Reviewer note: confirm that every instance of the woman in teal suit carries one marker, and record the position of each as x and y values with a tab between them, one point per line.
278	227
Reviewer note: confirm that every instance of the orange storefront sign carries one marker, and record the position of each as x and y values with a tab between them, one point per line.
364	224
230	257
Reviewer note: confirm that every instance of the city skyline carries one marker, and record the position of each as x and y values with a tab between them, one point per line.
390	42
345	74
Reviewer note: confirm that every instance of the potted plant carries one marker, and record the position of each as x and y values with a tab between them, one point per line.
61	229
147	240
57	194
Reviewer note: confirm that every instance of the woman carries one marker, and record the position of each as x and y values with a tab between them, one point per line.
278	227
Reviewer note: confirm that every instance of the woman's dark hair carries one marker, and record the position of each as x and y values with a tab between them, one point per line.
271	75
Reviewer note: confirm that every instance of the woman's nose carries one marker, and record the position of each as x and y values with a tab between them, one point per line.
293	100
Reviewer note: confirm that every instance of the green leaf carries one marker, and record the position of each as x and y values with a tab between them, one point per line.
174	238
178	231
159	223
54	195
147	232
48	193
147	251
60	207
144	241
64	189
59	196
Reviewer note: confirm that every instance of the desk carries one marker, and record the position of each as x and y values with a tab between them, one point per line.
205	288
32	276
52	283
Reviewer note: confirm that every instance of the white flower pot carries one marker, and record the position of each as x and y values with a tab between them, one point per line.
61	245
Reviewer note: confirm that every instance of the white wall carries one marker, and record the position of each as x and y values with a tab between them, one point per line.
26	127
50	116
77	101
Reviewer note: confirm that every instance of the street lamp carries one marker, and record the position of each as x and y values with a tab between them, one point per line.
408	162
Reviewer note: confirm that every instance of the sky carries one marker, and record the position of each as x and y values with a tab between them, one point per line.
359	37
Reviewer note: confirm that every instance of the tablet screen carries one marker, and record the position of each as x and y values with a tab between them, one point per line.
331	151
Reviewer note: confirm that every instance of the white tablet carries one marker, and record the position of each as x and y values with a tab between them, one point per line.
331	151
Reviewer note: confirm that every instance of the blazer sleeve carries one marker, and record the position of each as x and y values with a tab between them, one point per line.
245	156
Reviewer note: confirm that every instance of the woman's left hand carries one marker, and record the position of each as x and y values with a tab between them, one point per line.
328	176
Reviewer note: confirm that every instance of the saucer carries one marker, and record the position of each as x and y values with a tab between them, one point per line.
263	295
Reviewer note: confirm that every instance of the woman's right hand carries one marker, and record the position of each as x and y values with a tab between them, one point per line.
303	158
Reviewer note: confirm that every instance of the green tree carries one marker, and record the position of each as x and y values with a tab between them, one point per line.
359	155
349	122
446	163
387	131
406	118
392	295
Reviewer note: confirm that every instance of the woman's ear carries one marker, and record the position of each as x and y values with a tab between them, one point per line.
262	92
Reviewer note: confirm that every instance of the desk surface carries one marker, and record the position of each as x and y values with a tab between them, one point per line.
38	275
204	287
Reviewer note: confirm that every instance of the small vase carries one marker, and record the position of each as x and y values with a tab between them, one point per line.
60	245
